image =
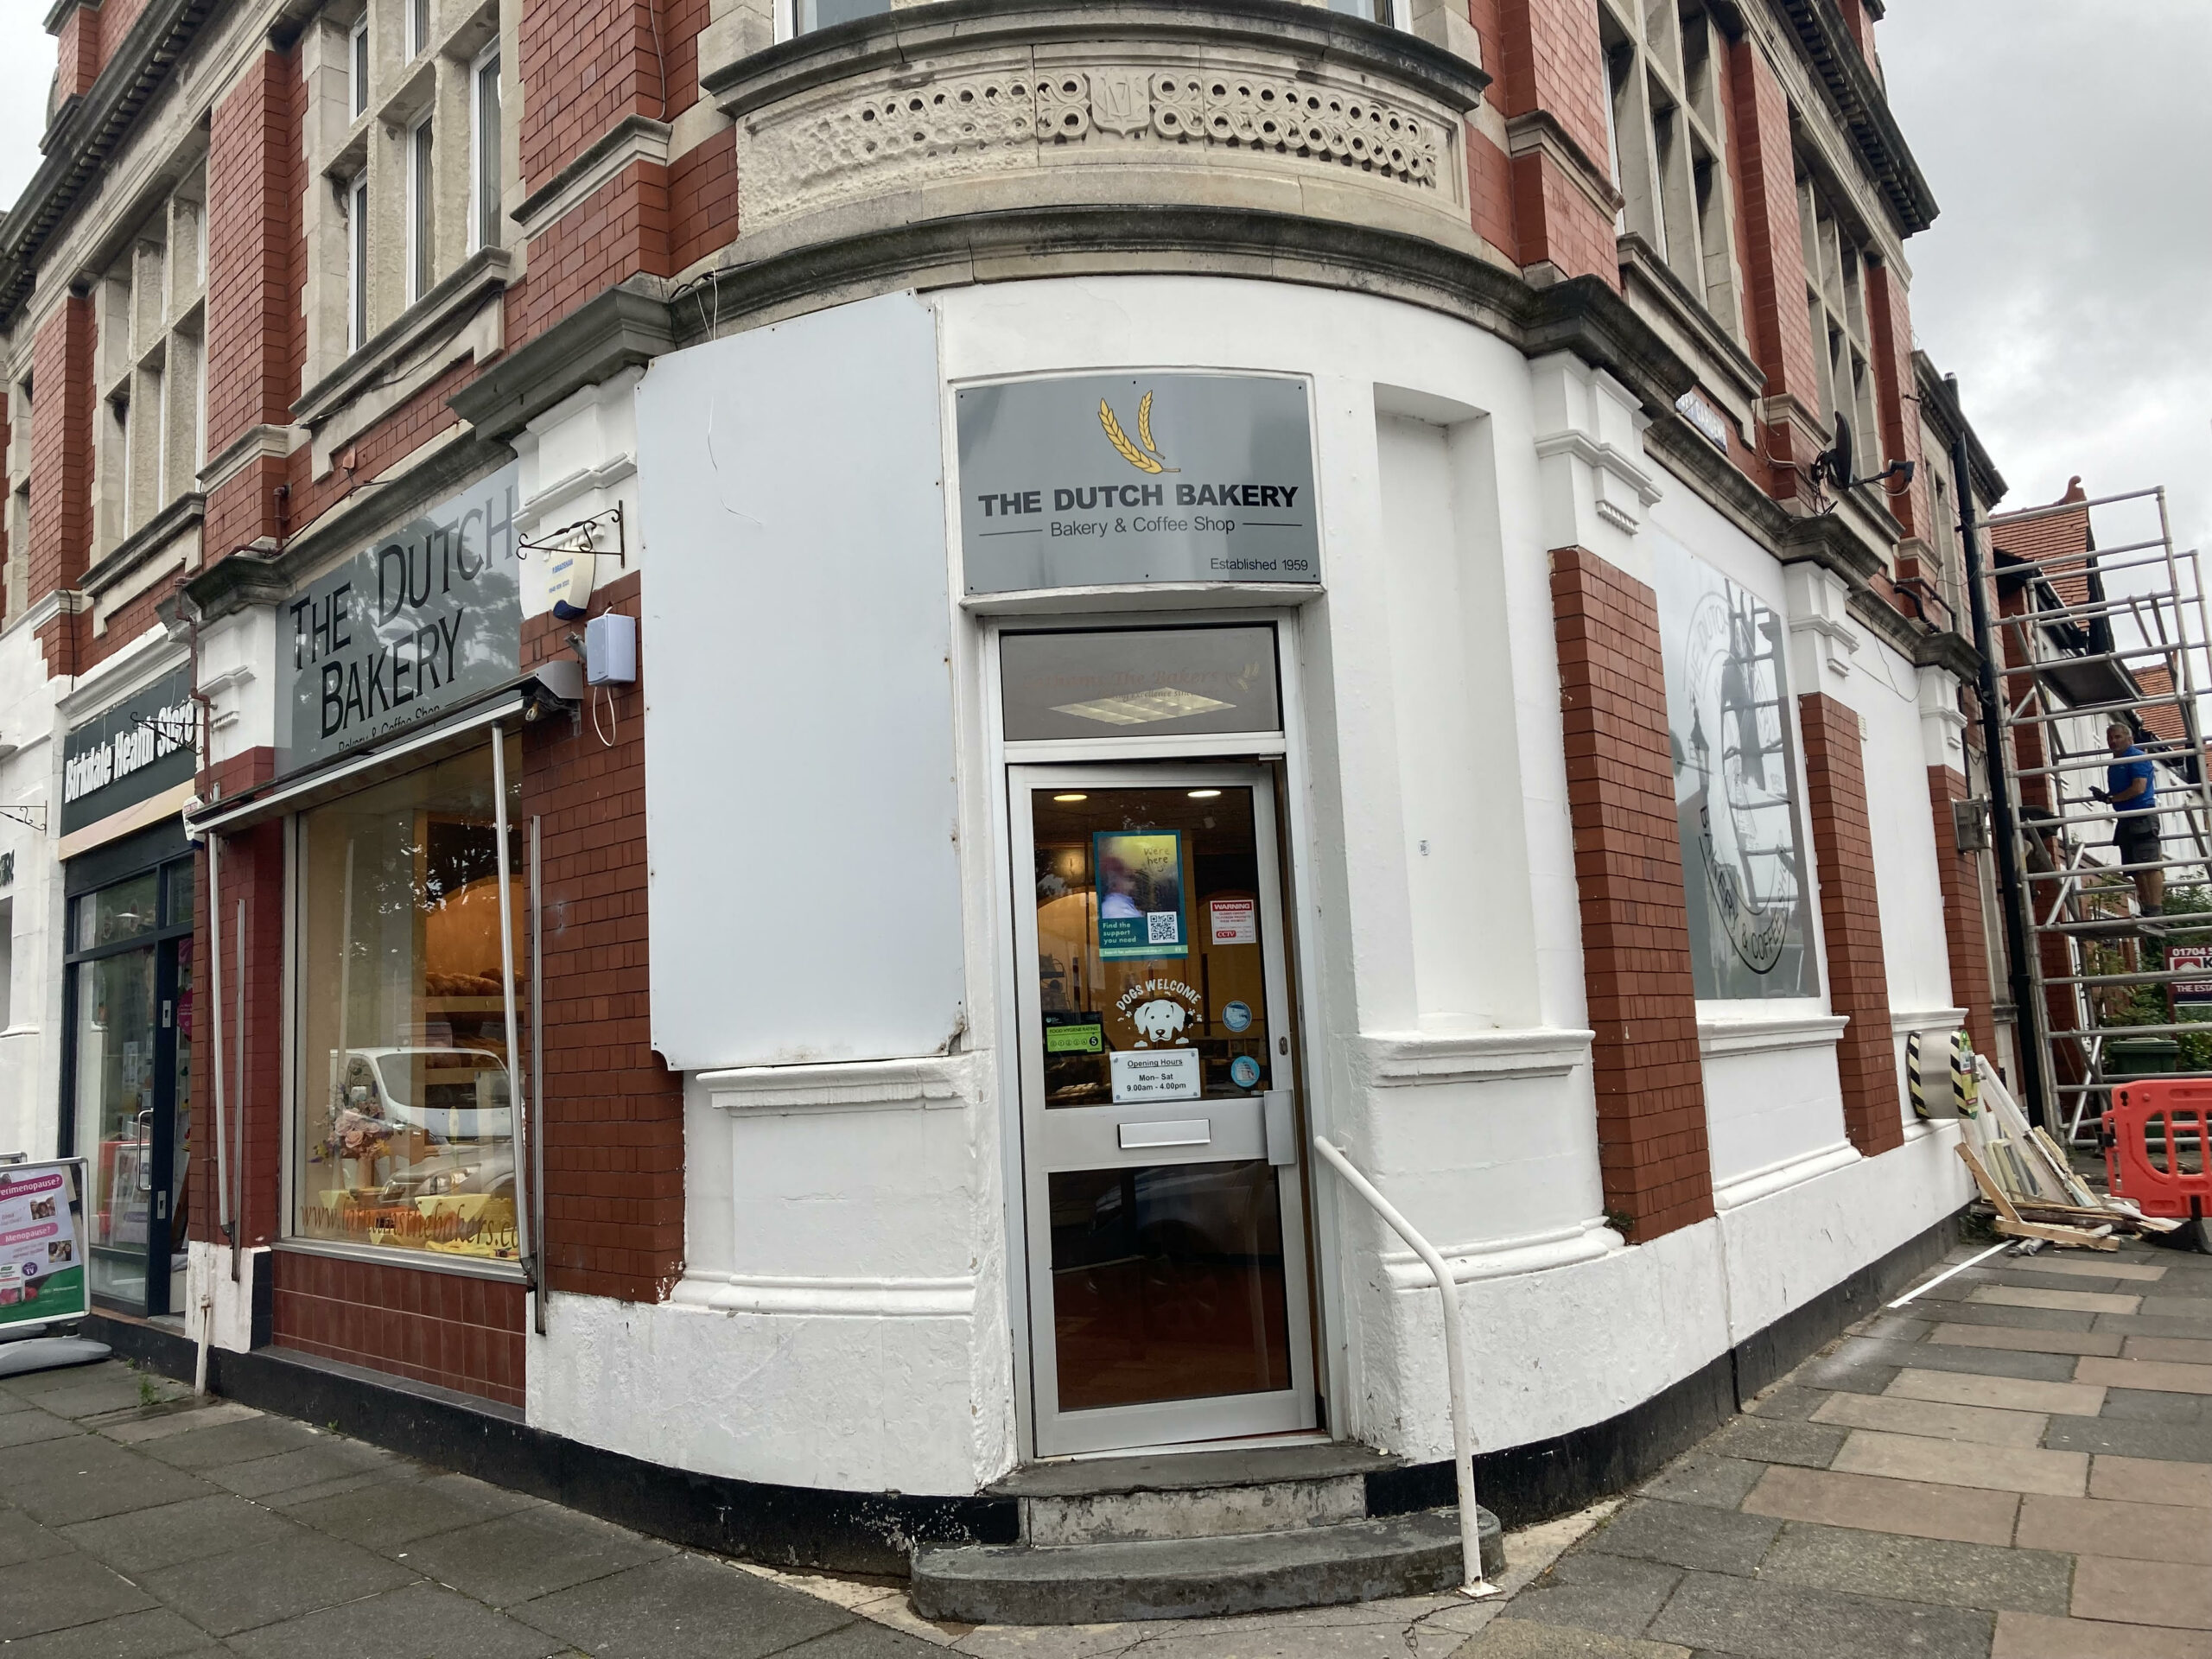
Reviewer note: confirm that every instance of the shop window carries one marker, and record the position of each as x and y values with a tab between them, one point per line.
152	328
405	1136
1139	682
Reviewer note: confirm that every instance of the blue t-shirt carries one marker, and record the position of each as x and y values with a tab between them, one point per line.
2134	764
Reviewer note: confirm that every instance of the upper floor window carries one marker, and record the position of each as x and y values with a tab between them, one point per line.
1666	120
1835	306
422	211
807	16
418	27
151	343
17	567
357	68
486	179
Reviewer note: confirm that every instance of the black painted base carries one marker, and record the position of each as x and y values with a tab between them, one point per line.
873	1532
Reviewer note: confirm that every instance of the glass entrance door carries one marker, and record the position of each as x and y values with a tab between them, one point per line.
1159	1124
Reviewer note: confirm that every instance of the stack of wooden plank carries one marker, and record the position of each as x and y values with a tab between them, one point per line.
2028	1181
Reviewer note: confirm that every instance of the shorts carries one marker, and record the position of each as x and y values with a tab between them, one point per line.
2136	837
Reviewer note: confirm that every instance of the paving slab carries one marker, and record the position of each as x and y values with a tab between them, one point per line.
1687	1536
2027	1340
2032	1635
22	1539
2004	1392
30	1425
245	1440
2190	1310
1766	1440
61	1591
2140	1532
2152	1324
420	1621
1857	1354
2187	1350
1958	1463
368	1514
2143	1480
531	1553
681	1607
2097	1268
2065	1301
328	1458
141	1426
2173	1442
2022	1318
157	1633
1920	1569
2171	1376
1790	1400
1516	1638
90	1391
241	1590
2151	1406
1893	1327
1877	1504
146	1541
1898	1414
1613	1594
84	1477
1788	1621
1706	1477
2143	1593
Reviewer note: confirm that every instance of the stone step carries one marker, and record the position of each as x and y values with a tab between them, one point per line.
1197	1578
1192	1494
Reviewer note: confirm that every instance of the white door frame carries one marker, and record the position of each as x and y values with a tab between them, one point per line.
1239	1133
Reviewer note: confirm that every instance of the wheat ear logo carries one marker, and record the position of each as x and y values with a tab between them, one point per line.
1144	458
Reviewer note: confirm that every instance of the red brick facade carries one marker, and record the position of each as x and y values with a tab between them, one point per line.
1851	919
614	1114
453	1330
1628	866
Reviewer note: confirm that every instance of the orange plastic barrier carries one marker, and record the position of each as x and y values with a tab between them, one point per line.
2154	1144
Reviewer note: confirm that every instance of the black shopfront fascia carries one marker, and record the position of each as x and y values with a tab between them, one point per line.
165	853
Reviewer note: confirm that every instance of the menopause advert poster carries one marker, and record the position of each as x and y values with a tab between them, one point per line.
41	1258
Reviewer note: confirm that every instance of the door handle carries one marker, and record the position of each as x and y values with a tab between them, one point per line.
1282	1128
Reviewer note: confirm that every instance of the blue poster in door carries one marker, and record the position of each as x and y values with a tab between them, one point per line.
1140	878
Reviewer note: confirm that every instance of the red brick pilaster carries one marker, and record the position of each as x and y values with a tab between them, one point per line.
613	1196
1965	931
1549	58
1766	173
1627	870
1851	918
61	448
253	228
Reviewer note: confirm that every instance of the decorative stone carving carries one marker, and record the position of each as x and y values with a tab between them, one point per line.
1020	96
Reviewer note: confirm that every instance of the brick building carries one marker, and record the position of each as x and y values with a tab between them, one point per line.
570	566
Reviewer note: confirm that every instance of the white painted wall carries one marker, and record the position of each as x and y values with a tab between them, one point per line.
29	1039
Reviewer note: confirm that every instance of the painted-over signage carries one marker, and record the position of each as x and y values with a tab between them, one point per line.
1085	480
130	752
420	621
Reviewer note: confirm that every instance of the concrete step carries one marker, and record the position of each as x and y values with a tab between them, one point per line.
1312	1565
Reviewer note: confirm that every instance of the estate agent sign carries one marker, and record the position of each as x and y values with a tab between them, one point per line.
1089	479
416	623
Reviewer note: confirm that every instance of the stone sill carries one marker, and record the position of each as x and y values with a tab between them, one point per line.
485	271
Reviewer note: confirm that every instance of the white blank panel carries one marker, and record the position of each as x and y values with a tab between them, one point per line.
799	793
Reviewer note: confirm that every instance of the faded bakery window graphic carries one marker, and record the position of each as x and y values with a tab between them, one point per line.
1729	729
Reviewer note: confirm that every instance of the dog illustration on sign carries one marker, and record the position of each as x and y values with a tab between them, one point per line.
1161	1020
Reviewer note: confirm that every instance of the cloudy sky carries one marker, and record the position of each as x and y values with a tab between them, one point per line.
2066	283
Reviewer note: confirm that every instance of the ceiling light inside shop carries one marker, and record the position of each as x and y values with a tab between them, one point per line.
1142	708
1204	794
1071	798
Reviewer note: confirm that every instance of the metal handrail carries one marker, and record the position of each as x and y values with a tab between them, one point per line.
1472	1583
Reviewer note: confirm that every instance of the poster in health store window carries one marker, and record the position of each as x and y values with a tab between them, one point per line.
1139	876
42	1260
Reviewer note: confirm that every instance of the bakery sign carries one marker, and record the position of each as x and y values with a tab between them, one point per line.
414	624
1099	479
131	752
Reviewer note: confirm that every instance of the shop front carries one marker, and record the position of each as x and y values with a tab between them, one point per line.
392	844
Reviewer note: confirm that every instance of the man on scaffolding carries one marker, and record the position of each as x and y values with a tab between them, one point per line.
2131	791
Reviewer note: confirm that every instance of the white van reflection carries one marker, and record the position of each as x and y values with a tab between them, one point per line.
452	1102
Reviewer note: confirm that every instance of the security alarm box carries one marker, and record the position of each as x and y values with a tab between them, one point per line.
611	650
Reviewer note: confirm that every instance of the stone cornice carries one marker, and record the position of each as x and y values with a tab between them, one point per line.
444	307
891	38
1863	107
619	328
87	137
156	533
633	138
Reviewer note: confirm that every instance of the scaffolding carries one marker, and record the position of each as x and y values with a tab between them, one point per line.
2088	635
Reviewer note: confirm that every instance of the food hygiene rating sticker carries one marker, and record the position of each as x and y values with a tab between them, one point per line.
1091	481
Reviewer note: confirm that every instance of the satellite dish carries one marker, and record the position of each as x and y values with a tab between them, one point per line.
1839	456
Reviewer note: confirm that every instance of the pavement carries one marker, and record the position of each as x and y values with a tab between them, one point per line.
2015	1464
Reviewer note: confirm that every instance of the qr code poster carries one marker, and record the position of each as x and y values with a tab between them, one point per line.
1139	890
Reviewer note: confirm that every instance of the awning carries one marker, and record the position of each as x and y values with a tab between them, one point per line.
363	768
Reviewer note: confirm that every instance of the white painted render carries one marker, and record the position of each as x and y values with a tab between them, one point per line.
850	1315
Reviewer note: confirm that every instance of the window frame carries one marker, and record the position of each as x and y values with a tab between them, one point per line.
421	208
487	161
357	68
418	29
357	262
